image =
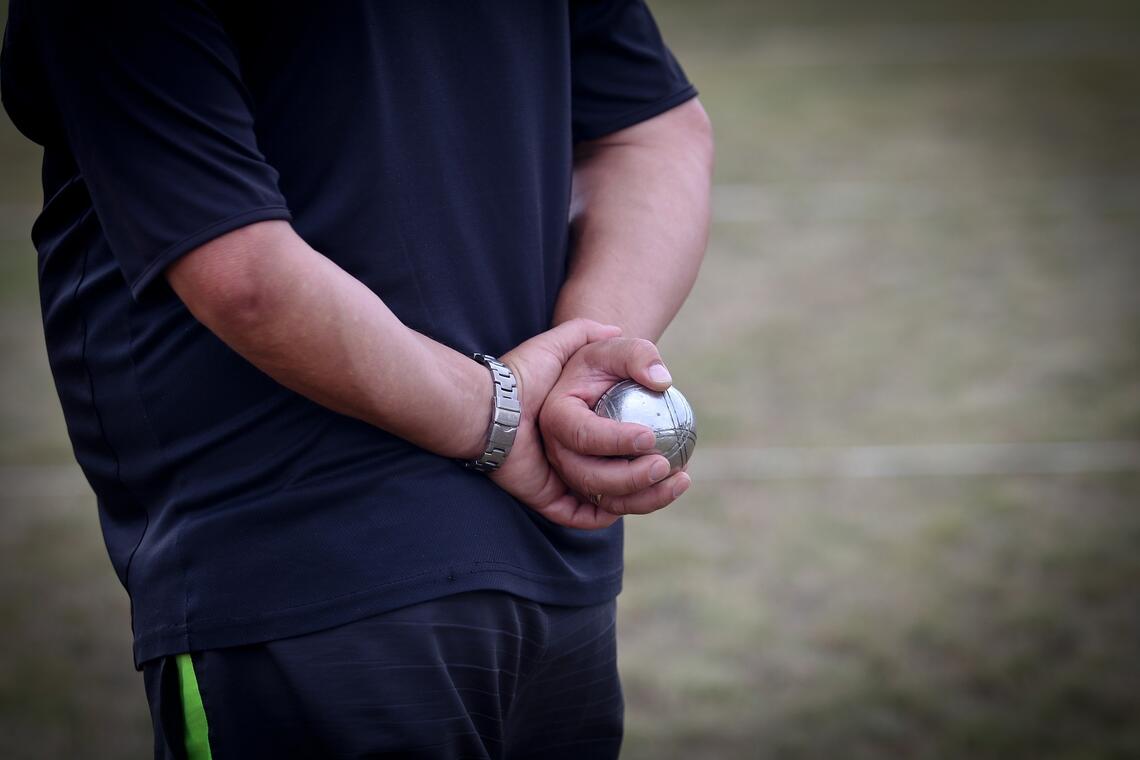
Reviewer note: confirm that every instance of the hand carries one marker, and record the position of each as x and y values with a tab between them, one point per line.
587	451
527	474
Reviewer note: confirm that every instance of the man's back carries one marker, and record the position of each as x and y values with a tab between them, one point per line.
425	149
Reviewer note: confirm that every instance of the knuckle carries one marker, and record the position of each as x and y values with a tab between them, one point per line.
592	354
633	480
617	507
644	345
557	456
589	485
581	436
646	351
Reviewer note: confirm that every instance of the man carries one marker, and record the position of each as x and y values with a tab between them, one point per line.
273	236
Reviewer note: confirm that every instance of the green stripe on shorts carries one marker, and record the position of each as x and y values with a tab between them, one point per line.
193	713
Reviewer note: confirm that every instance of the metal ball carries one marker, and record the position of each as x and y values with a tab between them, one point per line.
668	414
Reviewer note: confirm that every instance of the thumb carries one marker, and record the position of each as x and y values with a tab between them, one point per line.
564	340
635	358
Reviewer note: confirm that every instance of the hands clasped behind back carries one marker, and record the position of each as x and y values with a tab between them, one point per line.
614	464
568	463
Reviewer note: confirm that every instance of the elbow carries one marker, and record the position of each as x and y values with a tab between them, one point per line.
239	305
699	136
684	133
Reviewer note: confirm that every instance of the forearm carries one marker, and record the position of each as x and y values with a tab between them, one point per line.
639	219
317	330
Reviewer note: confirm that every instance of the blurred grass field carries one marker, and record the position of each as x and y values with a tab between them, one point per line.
927	231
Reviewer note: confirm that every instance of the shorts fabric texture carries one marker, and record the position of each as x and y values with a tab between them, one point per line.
476	675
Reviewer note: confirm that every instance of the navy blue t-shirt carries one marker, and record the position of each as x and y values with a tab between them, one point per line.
426	148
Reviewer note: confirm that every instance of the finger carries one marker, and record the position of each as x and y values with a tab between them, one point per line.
573	424
611	476
549	351
565	339
571	512
650	499
635	358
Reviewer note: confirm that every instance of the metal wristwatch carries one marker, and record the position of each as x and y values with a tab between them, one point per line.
504	420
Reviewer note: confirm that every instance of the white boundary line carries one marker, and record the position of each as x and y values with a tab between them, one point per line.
948	459
829	201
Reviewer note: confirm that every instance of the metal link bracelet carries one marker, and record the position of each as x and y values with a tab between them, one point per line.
504	420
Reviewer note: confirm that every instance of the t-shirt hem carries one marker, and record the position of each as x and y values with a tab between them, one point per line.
296	621
203	236
638	115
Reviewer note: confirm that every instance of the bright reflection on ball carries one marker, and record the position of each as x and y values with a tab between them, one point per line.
668	413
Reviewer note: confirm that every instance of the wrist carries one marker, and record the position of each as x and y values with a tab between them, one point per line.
478	405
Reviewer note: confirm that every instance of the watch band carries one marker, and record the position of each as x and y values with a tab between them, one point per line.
504	420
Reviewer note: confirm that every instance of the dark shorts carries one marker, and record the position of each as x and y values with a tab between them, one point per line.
475	675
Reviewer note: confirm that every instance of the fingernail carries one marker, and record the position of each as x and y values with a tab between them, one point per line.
659	470
658	373
681	486
645	441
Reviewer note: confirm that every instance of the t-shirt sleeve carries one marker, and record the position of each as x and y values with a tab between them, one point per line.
621	71
153	109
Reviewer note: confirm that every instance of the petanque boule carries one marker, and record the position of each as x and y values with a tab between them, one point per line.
668	414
